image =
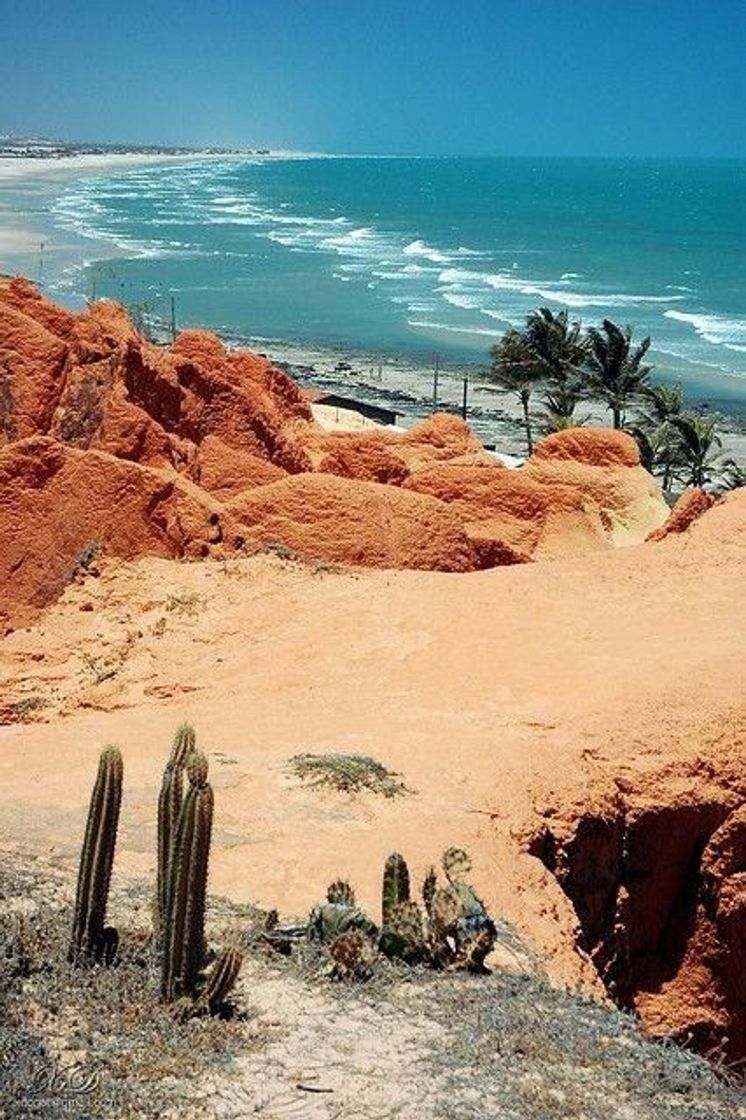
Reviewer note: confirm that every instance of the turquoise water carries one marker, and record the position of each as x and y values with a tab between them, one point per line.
412	256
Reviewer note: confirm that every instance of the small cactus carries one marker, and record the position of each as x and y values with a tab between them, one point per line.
330	919
403	935
90	938
445	913
395	885
340	891
456	864
428	890
348	951
222	977
184	932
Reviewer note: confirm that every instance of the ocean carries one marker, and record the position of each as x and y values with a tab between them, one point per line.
416	256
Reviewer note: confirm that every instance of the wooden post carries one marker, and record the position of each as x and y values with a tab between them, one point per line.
466	394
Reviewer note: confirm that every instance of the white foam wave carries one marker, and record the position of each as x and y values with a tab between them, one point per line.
715	329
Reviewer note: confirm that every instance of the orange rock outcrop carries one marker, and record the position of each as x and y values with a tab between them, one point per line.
205	450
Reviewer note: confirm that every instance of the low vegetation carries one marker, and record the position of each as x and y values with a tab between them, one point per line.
347	773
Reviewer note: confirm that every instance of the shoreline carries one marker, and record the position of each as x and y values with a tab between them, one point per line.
32	244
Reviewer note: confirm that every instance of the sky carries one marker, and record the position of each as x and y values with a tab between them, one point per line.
442	77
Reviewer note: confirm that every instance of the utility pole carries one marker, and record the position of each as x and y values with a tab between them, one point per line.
436	371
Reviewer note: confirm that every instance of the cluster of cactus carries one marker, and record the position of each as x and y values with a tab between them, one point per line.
451	930
184	834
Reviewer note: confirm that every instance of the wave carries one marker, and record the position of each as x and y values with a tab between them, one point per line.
715	329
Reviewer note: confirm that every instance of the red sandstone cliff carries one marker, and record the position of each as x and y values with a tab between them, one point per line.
193	450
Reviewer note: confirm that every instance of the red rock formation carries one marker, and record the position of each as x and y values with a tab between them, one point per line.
57	502
691	505
231	427
351	522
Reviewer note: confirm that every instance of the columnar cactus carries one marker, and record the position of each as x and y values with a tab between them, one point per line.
223	976
184	945
89	937
429	888
169	807
395	885
183	745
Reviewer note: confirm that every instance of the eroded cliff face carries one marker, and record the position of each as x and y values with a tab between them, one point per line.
658	883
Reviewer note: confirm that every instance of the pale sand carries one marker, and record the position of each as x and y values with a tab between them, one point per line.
498	696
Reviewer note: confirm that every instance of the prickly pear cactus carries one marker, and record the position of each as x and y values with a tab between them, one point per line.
429	888
330	919
395	885
350	952
341	892
403	935
456	864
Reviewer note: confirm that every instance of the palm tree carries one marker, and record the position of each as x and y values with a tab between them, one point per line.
698	447
559	406
615	370
548	348
661	404
514	369
557	345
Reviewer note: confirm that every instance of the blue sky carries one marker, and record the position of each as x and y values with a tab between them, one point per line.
506	77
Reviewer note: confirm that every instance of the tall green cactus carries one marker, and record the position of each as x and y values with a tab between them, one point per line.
184	942
183	745
170	801
89	938
395	885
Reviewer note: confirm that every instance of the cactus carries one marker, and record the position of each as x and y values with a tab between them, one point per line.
456	864
184	932
170	800
395	885
169	808
332	918
403	935
348	951
196	767
428	891
183	745
89	936
223	976
340	891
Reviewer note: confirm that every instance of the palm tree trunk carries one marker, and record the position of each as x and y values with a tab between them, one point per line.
525	396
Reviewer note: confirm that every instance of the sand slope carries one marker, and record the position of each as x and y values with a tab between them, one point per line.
545	708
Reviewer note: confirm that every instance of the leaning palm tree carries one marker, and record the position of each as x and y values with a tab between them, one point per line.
513	368
614	369
699	446
557	345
